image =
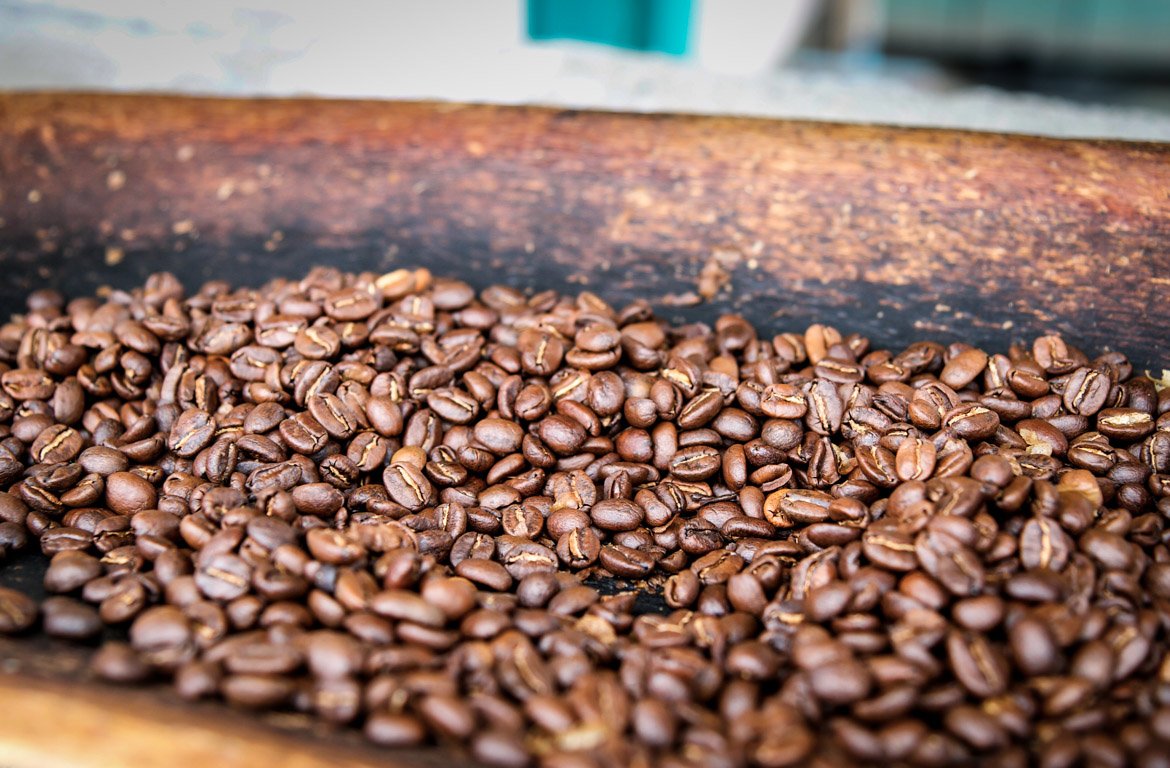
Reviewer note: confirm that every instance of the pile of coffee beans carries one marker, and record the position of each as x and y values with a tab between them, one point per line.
547	530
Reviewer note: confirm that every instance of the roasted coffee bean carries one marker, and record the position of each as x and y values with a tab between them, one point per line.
70	570
406	606
57	444
825	408
256	691
320	499
527	558
126	600
1033	647
616	515
563	435
1125	424
67	618
1086	391
18	612
408	486
962	369
119	663
697	462
972	421
977	664
626	562
578	548
333	547
394	730
223	577
127	493
303	434
191	433
499	436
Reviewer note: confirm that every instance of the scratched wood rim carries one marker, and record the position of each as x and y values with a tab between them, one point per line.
900	234
109	728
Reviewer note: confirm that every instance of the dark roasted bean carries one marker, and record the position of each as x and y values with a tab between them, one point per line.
626	562
408	486
119	663
68	618
128	493
18	612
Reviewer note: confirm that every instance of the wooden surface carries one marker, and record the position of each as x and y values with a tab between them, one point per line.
900	234
53	716
897	234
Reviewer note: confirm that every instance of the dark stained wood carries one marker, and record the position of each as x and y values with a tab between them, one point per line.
899	234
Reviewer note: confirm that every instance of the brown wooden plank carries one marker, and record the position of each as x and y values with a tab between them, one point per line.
52	715
897	233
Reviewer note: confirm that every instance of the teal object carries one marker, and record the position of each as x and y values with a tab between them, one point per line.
641	25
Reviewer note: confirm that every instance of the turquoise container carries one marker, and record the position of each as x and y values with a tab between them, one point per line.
663	26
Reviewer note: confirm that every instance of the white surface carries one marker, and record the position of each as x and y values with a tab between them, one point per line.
472	50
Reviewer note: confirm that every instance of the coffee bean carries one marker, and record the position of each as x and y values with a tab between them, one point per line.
1033	648
256	691
118	663
843	682
616	515
962	369
57	444
697	462
1086	391
976	663
825	408
303	434
1126	424
27	384
915	460
527	558
127	493
406	606
979	614
64	617
333	415
579	547
191	432
223	577
70	570
972	421
333	547
408	486
626	562
319	499
125	601
499	436
17	611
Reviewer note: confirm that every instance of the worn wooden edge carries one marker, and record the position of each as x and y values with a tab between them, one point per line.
189	113
48	724
897	233
51	723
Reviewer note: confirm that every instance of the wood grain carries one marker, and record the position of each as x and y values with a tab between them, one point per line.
54	725
899	234
53	714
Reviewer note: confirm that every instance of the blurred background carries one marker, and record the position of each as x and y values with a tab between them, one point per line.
1082	68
